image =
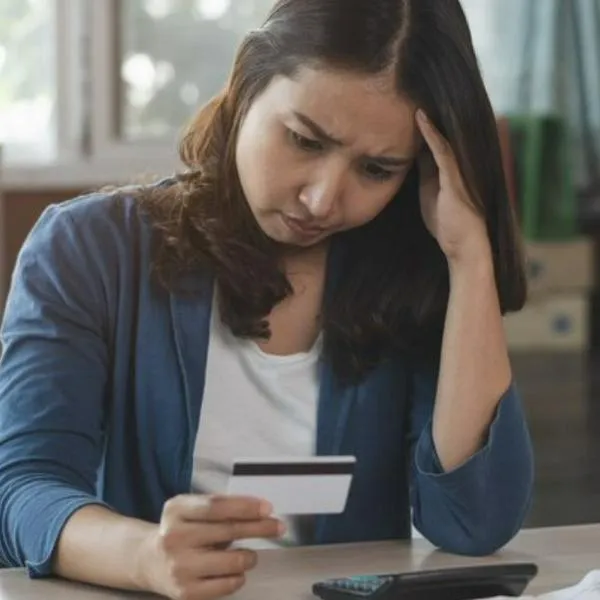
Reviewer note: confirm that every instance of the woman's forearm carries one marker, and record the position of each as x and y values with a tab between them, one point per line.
475	368
100	547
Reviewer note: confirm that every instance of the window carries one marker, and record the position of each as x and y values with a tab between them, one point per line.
84	85
27	79
174	56
102	88
498	28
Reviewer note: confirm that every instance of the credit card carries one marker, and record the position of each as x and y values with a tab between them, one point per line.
295	486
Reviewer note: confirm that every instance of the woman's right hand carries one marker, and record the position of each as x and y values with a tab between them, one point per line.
188	557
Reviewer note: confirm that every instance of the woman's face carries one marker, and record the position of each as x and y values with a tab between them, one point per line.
324	152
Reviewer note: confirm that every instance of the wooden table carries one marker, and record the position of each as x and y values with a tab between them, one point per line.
564	556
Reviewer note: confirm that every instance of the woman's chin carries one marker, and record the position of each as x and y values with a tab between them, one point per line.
281	234
302	241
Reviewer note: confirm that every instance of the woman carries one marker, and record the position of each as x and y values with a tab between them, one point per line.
329	277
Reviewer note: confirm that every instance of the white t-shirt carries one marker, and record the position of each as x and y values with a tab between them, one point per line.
254	405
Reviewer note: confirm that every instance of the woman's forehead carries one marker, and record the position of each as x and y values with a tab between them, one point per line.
360	109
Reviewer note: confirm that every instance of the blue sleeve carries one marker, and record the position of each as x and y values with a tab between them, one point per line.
478	507
53	373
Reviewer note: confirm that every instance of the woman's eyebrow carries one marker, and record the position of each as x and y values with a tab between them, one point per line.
322	135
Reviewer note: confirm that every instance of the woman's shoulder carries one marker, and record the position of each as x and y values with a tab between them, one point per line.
103	222
102	236
115	208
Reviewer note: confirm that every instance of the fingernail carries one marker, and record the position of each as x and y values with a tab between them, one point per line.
421	115
281	528
266	508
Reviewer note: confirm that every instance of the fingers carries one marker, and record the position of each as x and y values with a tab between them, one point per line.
200	535
437	143
196	521
427	165
192	538
199	565
191	507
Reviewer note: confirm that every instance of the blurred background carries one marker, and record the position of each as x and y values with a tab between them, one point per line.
96	92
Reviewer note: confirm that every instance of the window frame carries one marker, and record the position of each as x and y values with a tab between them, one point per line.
105	91
89	151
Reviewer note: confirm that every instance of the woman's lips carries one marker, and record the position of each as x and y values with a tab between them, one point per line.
302	227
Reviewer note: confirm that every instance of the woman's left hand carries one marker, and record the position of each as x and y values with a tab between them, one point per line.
446	205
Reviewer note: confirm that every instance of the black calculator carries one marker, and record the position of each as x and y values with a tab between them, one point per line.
462	583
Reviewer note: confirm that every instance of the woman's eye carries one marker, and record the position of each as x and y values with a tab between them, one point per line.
377	173
305	143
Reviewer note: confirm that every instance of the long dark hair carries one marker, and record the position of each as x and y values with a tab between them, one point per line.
393	283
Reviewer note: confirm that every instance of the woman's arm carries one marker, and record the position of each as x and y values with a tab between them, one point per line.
101	547
187	555
475	370
53	374
473	465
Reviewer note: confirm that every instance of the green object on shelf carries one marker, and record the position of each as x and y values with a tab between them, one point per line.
545	191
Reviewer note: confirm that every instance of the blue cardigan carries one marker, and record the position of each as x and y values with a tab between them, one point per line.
101	384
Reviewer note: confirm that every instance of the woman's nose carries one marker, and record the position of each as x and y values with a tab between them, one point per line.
321	195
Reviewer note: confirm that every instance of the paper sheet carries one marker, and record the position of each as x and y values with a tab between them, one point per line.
587	589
